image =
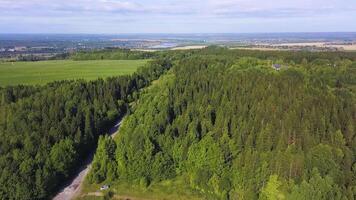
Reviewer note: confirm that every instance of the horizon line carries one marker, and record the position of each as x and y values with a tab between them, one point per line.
182	33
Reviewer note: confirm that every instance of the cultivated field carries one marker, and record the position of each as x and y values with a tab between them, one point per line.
46	71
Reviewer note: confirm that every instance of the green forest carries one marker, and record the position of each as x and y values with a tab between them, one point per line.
48	130
237	128
228	121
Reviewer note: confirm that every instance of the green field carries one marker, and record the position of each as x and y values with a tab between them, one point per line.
42	72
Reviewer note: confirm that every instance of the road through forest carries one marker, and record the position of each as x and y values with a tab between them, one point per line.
73	187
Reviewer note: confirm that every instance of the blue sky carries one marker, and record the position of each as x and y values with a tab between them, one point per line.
176	16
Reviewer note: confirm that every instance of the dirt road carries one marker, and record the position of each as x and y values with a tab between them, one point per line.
72	189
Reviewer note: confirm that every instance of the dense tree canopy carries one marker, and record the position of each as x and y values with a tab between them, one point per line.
225	119
239	129
47	130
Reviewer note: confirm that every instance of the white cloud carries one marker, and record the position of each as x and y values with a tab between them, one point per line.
241	8
178	14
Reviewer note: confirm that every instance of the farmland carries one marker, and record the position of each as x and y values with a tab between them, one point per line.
42	72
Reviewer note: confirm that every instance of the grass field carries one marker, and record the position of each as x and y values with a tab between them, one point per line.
176	189
46	71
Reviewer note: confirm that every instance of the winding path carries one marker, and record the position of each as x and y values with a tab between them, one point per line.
73	187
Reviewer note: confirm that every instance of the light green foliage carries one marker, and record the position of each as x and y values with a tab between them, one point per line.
326	159
205	154
104	165
63	156
139	151
272	190
317	188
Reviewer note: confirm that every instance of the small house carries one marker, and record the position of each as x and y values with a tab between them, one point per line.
277	67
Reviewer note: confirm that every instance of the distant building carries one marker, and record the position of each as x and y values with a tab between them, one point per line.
277	67
20	48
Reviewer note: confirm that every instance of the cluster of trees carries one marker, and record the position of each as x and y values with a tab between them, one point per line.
300	57
35	57
47	130
238	129
111	54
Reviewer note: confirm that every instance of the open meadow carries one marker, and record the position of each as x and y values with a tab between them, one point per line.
42	72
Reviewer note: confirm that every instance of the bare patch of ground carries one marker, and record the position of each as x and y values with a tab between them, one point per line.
189	47
145	50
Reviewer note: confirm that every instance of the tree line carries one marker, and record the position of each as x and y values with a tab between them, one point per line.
111	54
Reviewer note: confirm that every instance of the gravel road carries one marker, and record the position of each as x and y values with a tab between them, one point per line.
73	187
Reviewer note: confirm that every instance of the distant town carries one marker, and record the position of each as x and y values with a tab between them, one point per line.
41	46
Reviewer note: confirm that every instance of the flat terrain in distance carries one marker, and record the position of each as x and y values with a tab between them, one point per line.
42	72
292	46
345	47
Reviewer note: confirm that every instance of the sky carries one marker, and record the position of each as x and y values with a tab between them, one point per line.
176	16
